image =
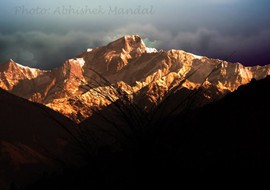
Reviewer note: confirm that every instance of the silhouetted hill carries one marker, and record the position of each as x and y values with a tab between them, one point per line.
227	138
230	136
30	138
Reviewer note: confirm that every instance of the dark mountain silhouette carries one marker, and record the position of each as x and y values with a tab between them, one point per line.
230	137
30	139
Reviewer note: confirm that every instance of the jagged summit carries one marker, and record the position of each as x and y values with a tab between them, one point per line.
12	64
7	64
128	43
133	44
116	55
11	73
11	61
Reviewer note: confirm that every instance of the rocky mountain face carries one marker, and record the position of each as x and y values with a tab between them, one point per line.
88	82
12	73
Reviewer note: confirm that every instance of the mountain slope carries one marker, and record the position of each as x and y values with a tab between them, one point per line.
30	137
77	88
230	136
220	141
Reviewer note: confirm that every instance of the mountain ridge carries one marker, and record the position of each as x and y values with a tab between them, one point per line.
75	88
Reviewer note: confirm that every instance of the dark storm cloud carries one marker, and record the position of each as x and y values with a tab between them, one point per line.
43	50
214	28
250	48
48	50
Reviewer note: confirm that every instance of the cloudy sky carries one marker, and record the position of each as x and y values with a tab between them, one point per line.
44	34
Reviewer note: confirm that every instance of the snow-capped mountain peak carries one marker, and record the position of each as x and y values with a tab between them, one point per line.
141	72
11	73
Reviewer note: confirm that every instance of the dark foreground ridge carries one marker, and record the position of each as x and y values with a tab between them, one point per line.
230	137
30	140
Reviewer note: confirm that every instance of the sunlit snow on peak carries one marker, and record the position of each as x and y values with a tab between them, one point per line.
151	50
196	56
80	61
